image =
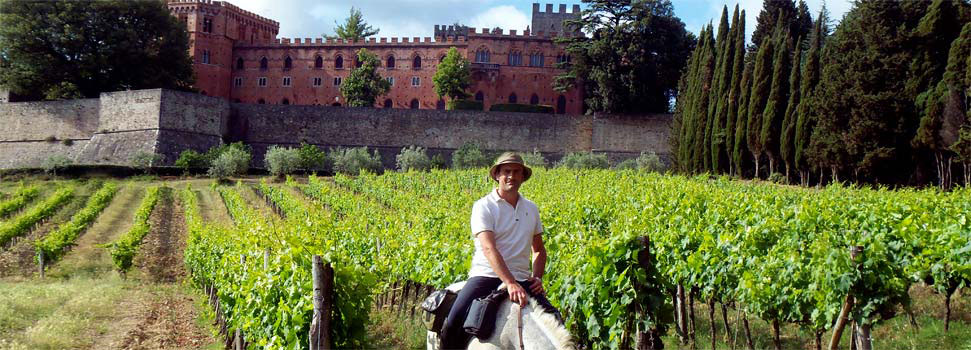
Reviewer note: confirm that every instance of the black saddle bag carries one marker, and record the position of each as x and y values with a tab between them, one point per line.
436	306
481	321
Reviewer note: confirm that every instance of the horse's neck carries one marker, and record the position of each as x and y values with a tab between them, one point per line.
537	334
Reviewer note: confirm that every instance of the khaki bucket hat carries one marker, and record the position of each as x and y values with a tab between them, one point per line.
510	158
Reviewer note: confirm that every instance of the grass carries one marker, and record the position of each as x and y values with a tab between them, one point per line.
390	331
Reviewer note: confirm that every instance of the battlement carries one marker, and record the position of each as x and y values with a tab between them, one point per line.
225	5
561	9
550	21
451	30
310	42
499	33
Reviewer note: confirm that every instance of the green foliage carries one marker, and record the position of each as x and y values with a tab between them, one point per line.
23	223
775	107
56	162
23	196
145	160
232	161
355	160
189	159
618	76
463	105
453	77
438	162
281	160
584	160
469	155
363	86
758	98
124	249
354	27
54	244
58	49
313	159
534	159
521	108
413	158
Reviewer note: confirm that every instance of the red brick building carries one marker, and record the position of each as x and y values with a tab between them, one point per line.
238	56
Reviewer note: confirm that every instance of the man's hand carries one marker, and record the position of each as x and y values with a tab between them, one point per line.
517	294
536	285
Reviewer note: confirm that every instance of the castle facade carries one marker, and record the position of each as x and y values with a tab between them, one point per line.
238	56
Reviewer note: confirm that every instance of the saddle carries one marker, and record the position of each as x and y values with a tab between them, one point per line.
437	306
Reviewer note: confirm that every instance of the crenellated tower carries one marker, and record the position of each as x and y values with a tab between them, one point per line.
549	21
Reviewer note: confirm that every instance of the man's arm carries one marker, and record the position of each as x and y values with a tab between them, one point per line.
488	241
539	265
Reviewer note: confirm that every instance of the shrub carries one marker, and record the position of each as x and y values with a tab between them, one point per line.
777	178
216	151
234	161
584	160
144	160
56	162
463	105
282	161
313	159
469	156
649	161
67	142
534	159
629	164
521	108
413	158
50	139
191	159
353	160
438	162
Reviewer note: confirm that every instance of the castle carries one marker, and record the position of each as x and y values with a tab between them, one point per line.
237	56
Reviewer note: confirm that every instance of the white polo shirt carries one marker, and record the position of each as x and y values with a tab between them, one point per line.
514	229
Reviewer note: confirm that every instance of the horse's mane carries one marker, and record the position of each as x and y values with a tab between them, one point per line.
561	337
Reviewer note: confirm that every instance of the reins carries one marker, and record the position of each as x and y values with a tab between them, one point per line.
521	346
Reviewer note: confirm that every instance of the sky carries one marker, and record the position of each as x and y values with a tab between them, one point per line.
416	18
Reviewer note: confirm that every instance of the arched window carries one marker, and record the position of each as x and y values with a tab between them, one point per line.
287	63
239	63
561	105
440	105
416	63
440	59
204	93
388	103
285	101
339	62
261	101
534	100
414	104
264	63
536	60
319	62
390	63
512	98
482	55
515	58
479	96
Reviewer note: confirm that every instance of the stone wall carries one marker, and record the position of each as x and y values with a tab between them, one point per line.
38	121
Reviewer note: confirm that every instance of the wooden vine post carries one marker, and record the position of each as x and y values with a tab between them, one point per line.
834	342
647	339
40	262
323	276
238	341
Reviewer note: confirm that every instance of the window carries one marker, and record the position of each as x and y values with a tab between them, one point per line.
515	59
561	105
337	81
285	101
388	103
563	59
512	98
482	56
416	63
286	81
414	104
440	59
207	25
339	62
534	100
261	101
479	96
390	80
239	63
205	56
238	81
536	60
319	62
264	63
390	63
287	63
415	81
262	81
317	81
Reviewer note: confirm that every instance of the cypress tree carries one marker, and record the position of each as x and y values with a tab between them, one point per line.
786	144
741	120
734	95
810	79
705	73
765	23
775	107
723	76
758	97
682	124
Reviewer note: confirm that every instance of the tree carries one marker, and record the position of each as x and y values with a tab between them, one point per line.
768	18
354	27
364	85
705	74
758	97
735	94
805	117
452	76
741	121
719	98
786	139
633	59
775	107
69	49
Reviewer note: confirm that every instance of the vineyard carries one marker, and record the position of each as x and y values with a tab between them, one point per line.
632	256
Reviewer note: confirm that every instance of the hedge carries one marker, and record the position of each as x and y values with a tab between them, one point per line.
522	108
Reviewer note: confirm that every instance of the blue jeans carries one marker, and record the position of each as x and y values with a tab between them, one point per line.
453	335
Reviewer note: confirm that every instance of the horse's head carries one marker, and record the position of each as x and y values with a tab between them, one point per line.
540	330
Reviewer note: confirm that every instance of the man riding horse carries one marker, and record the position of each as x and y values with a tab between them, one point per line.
507	232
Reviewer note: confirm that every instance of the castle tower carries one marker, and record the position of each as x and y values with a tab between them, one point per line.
549	21
214	28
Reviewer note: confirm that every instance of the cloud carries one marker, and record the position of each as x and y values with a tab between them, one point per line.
506	17
698	13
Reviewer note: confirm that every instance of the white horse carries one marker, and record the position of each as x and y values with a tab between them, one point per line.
540	329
